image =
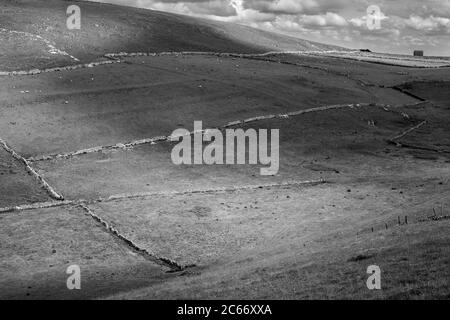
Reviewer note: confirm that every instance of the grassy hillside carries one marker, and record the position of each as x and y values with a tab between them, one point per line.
109	28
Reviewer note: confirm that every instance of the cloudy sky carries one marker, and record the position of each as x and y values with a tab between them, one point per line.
405	25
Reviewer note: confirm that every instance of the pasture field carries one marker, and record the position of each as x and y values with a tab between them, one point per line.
86	175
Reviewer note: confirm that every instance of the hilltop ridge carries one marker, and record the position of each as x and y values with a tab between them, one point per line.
34	34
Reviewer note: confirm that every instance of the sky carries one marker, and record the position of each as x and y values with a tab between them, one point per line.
393	26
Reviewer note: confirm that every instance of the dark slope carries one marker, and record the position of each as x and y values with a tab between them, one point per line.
109	28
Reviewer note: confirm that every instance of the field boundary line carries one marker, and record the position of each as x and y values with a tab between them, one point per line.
406	92
168	263
37	205
32	172
311	183
367	59
211	53
425	148
408	131
172	265
52	204
56	69
158	139
115	58
314	53
48	43
395	141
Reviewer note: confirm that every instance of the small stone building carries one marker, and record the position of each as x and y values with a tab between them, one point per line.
418	53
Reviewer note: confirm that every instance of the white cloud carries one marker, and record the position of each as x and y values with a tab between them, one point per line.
324	20
404	23
362	21
429	24
291	6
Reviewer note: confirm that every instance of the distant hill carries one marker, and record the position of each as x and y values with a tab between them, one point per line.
110	28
